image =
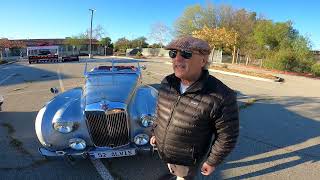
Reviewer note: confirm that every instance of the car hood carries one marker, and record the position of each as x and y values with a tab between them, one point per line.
110	87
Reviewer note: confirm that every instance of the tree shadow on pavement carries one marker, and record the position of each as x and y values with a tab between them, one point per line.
18	142
276	133
20	73
273	138
20	158
139	167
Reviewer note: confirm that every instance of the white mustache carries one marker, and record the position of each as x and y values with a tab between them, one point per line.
179	65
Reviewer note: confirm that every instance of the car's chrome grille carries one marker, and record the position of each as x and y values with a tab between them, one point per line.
108	129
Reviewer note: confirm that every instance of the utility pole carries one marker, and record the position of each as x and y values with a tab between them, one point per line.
90	47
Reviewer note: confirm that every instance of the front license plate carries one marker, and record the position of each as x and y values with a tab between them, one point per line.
117	153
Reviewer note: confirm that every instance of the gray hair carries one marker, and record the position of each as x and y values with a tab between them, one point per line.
208	63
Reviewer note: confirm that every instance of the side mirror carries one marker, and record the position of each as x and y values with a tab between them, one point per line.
1	102
54	90
143	67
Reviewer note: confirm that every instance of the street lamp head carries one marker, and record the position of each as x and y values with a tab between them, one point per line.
92	9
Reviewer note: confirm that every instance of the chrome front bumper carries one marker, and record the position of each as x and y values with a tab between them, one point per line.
89	151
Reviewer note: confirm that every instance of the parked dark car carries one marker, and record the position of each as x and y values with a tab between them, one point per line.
83	54
70	58
44	53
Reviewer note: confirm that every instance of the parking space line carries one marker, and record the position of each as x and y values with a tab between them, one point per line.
60	80
37	91
6	78
102	170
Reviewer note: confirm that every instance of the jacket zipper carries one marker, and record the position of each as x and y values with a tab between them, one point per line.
173	109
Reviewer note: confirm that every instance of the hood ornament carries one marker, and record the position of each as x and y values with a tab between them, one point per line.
104	106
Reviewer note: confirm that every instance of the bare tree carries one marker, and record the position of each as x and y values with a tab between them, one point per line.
160	33
97	33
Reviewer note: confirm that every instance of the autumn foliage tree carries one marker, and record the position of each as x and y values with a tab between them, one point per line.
219	38
122	44
275	45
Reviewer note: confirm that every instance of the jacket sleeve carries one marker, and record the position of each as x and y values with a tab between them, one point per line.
227	130
157	108
156	119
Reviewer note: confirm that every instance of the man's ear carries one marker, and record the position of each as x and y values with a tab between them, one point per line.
204	60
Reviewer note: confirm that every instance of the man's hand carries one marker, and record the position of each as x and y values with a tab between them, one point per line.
153	141
207	169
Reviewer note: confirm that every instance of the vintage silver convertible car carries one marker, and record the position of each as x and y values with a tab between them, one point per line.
111	116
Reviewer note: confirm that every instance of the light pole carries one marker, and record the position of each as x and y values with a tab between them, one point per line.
90	47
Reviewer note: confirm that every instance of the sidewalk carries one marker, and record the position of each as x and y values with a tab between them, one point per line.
10	60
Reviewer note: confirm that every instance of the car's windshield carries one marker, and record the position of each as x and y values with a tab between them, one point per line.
115	66
110	86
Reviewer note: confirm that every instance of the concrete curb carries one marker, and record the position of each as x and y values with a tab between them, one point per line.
108	57
11	62
245	76
122	57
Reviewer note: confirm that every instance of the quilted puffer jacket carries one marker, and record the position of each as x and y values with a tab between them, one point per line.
202	119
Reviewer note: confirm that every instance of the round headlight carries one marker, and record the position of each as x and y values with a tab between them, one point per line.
147	120
63	127
141	139
77	144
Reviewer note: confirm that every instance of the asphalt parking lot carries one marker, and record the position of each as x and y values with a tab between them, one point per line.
279	137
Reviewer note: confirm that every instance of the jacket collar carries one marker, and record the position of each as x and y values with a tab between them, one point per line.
199	85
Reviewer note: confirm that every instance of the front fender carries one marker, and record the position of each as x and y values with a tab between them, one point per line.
66	106
143	102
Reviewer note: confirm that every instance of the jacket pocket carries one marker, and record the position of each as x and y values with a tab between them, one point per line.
185	150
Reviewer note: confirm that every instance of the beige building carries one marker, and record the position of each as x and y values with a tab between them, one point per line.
64	48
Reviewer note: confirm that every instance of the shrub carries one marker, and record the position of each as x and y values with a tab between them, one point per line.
140	55
224	66
2	61
287	60
303	66
315	69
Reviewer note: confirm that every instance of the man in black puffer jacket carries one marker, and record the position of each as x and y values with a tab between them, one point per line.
196	113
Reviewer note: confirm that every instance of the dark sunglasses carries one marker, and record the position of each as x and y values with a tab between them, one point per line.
185	54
